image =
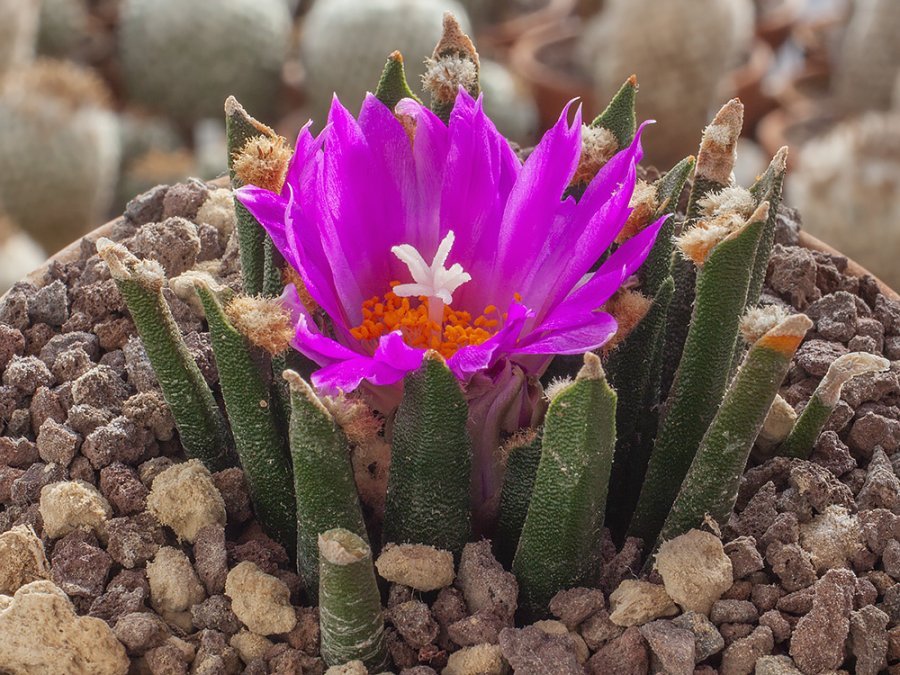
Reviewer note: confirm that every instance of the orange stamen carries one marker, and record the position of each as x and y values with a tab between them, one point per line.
381	316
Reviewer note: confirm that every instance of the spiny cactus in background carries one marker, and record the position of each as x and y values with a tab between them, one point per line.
344	44
183	57
18	32
64	27
674	47
847	185
557	492
869	57
60	144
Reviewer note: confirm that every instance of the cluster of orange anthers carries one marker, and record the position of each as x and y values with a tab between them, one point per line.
390	313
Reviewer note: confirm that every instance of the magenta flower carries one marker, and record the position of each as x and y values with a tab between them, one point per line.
412	234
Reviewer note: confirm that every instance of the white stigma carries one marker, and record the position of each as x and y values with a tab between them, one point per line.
434	281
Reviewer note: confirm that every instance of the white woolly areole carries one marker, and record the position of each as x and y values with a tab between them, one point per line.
432	281
845	368
734	199
598	143
760	320
125	266
444	75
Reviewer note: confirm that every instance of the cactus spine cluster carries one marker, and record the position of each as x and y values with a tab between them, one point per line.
558	493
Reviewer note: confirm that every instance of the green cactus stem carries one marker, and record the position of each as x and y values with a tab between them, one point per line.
703	373
560	542
524	454
273	262
657	268
260	445
619	116
767	189
802	438
711	485
431	455
351	620
631	374
453	64
323	478
239	128
393	87
715	162
201	426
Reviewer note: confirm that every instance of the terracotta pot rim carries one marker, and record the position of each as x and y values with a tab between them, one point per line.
506	34
524	55
72	252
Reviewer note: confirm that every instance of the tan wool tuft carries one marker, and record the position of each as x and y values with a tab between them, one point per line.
598	145
628	308
760	320
263	161
264	321
733	199
445	74
643	204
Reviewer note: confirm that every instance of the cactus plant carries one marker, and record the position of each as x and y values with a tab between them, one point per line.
18	32
344	44
398	313
869	58
698	41
847	184
61	136
184	57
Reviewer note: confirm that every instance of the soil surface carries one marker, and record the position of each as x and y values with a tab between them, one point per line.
96	498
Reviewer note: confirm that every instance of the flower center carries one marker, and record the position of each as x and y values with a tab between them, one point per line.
421	309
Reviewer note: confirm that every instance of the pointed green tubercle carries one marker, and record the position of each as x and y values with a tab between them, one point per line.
429	480
711	485
258	440
240	127
703	372
631	374
393	87
560	542
515	495
351	619
767	189
619	116
809	425
323	478
201	426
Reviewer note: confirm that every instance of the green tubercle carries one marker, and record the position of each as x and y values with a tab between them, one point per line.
260	445
431	454
201	426
351	619
619	116
393	87
704	369
767	189
453	64
711	485
560	542
809	425
524	454
323	478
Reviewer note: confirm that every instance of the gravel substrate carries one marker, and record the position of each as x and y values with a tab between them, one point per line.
100	516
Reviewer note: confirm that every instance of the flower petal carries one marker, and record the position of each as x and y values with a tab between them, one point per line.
472	358
591	332
390	363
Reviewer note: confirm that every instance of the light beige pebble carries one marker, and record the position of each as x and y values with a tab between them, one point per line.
636	602
552	627
174	585
185	499
250	645
261	602
68	505
421	567
218	211
22	559
832	538
350	668
695	570
40	634
477	660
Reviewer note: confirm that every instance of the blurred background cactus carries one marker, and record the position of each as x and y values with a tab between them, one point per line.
60	144
681	51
